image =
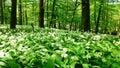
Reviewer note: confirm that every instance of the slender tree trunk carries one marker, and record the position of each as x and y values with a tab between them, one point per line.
47	3
26	17
53	14
20	12
25	14
107	19
1	12
98	19
13	14
73	14
86	15
59	26
41	13
95	12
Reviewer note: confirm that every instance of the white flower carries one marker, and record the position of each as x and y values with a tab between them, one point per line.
87	44
44	50
64	55
82	36
74	58
54	55
97	37
21	57
65	49
12	42
118	43
3	37
0	33
20	39
56	38
87	47
58	51
98	54
2	54
2	45
11	37
60	47
61	41
87	56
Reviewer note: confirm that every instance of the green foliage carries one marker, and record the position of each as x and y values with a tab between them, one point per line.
53	48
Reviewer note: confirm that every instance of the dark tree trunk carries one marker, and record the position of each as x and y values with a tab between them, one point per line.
73	14
1	12
41	13
86	15
53	14
20	12
98	19
26	17
13	14
95	12
47	2
25	14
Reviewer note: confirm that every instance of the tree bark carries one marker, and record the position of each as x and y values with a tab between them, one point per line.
41	13
1	11
20	12
13	14
47	2
25	14
95	12
52	23
86	15
73	14
98	19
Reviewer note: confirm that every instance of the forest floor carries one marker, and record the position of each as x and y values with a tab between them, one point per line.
54	48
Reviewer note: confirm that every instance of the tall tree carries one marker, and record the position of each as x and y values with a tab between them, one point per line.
53	14
73	13
25	17
86	15
98	19
1	12
95	11
13	14
41	13
20	12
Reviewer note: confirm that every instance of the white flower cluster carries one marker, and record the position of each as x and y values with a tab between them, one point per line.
97	37
4	55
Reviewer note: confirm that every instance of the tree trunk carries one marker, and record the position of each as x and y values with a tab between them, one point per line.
1	10
95	12
25	14
13	14
98	19
20	12
86	15
41	13
47	2
73	14
53	14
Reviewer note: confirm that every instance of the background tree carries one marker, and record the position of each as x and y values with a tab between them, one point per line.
20	12
13	14
41	13
52	21
86	15
1	12
98	19
66	14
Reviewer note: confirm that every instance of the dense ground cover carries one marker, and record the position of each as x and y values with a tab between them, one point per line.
52	48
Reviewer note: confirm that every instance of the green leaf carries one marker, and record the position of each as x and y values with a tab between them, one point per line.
50	63
12	53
